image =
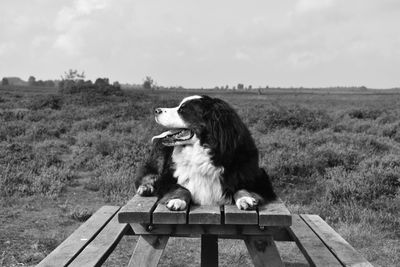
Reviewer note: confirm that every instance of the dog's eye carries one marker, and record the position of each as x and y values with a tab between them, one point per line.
182	108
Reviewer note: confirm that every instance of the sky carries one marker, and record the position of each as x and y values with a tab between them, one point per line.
207	43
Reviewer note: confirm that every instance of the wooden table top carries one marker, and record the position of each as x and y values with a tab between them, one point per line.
145	210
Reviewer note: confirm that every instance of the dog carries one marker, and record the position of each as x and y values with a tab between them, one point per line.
207	156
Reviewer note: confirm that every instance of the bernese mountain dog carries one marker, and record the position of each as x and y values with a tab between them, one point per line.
207	156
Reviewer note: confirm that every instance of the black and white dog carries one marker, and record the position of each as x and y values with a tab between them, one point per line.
207	157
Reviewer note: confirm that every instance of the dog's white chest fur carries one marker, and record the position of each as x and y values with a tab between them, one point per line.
195	171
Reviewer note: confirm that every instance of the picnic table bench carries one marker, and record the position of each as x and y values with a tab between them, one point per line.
93	241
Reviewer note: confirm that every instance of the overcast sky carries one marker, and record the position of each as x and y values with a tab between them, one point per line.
205	43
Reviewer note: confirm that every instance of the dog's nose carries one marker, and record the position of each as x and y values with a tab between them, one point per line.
158	111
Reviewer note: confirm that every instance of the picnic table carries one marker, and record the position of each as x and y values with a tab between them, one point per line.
93	242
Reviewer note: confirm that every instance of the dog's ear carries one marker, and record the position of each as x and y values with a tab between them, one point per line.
224	130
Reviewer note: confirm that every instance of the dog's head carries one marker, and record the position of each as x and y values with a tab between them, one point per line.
202	118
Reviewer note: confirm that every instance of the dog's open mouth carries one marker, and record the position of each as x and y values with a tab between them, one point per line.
175	137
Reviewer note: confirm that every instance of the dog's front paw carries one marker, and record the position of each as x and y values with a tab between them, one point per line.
246	203
176	204
145	190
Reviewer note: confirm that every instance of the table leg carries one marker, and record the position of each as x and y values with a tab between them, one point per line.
148	250
263	251
209	251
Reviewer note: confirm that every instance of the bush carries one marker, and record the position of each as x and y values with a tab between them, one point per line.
22	180
80	214
365	113
362	186
43	130
12	129
117	185
48	101
13	114
101	87
293	118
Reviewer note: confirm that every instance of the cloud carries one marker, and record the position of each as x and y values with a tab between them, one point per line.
65	17
68	43
79	10
6	47
241	56
303	6
293	42
88	6
74	23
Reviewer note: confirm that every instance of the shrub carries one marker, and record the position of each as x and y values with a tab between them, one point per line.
22	180
13	114
12	129
43	130
50	182
362	186
117	185
48	101
15	153
126	111
50	152
293	118
80	214
83	125
101	87
365	113
298	157
90	125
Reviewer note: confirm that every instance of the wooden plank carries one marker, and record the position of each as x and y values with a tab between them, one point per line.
82	236
274	214
148	251
204	215
313	249
263	251
209	251
233	215
342	250
192	230
162	215
101	247
137	210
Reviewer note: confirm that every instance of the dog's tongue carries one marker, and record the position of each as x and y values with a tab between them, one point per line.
165	134
174	137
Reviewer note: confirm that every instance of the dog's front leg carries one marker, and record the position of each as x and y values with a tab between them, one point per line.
177	198
246	200
145	187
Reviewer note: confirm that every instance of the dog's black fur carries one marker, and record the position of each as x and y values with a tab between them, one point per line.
231	145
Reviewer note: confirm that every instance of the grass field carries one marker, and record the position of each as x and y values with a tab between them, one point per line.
336	154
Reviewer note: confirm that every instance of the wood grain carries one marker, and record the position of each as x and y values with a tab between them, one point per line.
204	215
137	210
342	250
79	239
162	215
235	216
274	214
313	249
148	251
101	247
193	230
263	251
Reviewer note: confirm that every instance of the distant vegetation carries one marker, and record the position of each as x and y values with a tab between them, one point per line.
101	86
150	83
